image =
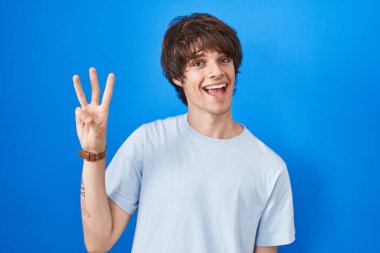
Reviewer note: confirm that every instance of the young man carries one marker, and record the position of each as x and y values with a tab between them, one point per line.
201	181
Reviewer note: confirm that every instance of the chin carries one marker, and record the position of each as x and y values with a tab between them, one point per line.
220	110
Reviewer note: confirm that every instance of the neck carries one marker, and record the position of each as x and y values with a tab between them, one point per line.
219	126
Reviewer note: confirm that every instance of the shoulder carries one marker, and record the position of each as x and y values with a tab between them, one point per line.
164	126
269	160
165	122
159	131
156	132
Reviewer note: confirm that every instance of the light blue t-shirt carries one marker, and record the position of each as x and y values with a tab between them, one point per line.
197	194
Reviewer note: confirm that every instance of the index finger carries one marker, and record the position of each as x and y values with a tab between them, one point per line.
79	91
108	90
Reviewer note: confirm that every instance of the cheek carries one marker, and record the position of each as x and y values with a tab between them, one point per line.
232	72
195	84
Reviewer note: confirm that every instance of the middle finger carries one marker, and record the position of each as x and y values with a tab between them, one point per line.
94	86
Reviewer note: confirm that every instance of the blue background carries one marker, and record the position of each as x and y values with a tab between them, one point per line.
309	89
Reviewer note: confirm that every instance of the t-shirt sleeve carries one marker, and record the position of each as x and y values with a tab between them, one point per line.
276	226
124	173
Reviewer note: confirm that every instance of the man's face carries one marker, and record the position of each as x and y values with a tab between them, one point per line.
209	83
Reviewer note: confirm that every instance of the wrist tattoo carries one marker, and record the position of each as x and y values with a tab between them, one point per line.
83	201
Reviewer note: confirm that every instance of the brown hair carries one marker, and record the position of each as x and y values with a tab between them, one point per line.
188	35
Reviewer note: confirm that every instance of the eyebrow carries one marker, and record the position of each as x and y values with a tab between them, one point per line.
201	55
197	56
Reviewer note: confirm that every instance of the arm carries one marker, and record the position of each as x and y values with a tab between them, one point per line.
271	249
103	222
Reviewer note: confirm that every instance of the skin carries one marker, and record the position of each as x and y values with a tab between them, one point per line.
272	249
103	221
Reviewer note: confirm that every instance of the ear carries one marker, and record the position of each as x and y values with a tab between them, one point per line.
177	82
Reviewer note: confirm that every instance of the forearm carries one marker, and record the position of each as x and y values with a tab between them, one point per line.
96	212
265	249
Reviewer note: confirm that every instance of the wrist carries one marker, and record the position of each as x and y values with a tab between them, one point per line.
93	155
97	147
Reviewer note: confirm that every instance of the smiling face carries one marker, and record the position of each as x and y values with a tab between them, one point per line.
209	83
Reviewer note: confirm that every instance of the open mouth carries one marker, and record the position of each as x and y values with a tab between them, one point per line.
216	90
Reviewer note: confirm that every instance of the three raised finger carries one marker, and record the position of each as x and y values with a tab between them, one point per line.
108	90
79	91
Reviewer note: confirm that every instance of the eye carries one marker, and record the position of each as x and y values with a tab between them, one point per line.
197	64
225	60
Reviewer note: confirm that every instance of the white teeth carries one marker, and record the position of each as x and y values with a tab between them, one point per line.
215	86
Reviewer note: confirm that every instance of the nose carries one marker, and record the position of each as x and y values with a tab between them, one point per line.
215	70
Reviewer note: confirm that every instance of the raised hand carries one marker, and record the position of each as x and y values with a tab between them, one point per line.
91	118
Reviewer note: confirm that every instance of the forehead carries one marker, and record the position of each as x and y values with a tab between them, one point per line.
202	46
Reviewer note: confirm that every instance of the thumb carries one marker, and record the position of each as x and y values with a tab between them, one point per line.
82	116
78	112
